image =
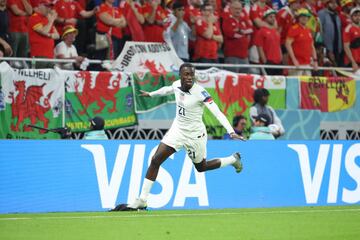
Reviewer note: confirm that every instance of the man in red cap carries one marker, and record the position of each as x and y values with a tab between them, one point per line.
267	41
42	32
300	45
351	37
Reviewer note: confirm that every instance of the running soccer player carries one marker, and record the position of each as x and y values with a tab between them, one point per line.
187	131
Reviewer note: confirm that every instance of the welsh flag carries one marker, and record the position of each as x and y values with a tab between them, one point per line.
151	81
105	94
327	94
30	97
233	93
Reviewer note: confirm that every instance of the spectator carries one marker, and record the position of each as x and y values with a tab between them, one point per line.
261	130
117	38
5	48
42	33
351	40
313	23
257	11
237	29
285	18
71	12
268	44
346	6
192	14
239	124
208	36
261	98
66	50
109	22
331	27
155	16
300	45
19	11
179	32
96	129
133	14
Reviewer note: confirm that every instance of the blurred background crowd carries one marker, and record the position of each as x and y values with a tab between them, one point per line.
293	32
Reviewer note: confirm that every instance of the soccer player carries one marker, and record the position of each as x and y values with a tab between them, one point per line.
187	131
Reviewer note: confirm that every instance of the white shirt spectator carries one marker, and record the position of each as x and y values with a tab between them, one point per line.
66	52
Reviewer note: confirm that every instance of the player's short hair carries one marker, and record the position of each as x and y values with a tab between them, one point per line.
259	94
189	65
237	119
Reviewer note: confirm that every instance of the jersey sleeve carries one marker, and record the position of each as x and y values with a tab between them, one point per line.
214	109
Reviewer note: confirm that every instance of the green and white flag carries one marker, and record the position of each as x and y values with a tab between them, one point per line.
105	94
151	82
30	96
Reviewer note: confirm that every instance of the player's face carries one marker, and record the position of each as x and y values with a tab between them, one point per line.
187	76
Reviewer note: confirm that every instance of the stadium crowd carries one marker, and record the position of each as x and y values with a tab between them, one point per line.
297	32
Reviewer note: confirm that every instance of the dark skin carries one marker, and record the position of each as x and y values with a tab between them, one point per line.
187	79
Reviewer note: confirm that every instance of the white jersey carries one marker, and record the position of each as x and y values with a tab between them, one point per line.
190	109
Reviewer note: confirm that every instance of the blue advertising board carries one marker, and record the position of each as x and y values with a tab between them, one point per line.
59	175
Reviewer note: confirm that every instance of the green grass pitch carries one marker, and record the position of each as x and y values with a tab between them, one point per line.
310	223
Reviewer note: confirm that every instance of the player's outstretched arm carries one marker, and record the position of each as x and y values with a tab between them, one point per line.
158	93
214	109
144	94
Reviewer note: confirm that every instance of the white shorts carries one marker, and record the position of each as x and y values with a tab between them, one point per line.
195	147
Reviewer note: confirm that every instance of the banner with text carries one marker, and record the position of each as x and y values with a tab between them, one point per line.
63	175
328	94
234	94
30	97
105	94
147	57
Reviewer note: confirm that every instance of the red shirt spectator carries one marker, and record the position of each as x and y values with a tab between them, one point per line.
117	32
100	25
191	14
41	45
302	43
269	40
257	12
154	21
285	18
133	14
18	15
205	48
351	35
344	13
67	9
237	32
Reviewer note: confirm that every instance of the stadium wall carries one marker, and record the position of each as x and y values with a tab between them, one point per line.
51	176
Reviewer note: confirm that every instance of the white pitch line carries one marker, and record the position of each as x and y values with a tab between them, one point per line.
182	214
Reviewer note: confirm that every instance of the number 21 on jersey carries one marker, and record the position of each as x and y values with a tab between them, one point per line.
181	111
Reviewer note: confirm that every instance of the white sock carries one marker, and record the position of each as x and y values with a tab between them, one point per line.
227	161
145	190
